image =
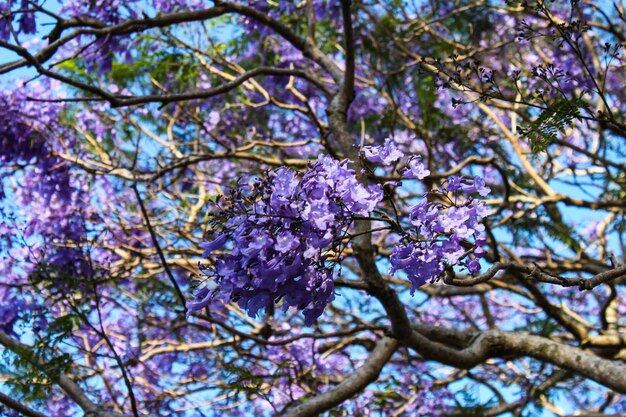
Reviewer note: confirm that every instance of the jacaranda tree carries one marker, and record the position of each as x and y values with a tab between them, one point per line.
294	208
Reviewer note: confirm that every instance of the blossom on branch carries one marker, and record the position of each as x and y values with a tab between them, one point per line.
285	233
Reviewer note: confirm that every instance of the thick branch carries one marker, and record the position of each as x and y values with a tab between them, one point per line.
348	33
19	407
364	251
356	382
99	29
467	349
535	274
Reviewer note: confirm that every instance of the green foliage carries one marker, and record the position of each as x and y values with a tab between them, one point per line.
242	380
558	230
62	327
547	219
471	406
540	326
174	66
33	383
552	120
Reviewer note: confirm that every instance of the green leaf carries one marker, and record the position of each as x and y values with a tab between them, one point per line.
543	131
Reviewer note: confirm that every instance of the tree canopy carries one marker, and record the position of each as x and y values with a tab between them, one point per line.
315	207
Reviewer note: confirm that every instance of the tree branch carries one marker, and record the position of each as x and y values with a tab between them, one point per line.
534	273
19	407
466	349
70	387
363	376
348	33
157	246
99	29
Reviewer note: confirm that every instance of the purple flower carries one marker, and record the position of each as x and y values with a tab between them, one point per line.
416	169
280	230
442	233
27	20
386	154
217	243
285	241
475	185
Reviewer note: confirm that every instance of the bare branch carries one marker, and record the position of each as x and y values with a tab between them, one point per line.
348	33
155	242
535	274
467	349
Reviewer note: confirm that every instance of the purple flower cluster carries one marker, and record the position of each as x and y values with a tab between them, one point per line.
446	230
386	154
21	127
26	20
443	223
285	235
389	153
51	197
25	129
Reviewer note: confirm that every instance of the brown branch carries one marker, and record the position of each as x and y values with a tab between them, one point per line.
211	92
348	33
124	101
19	407
362	246
69	387
466	349
99	29
157	246
534	273
361	378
